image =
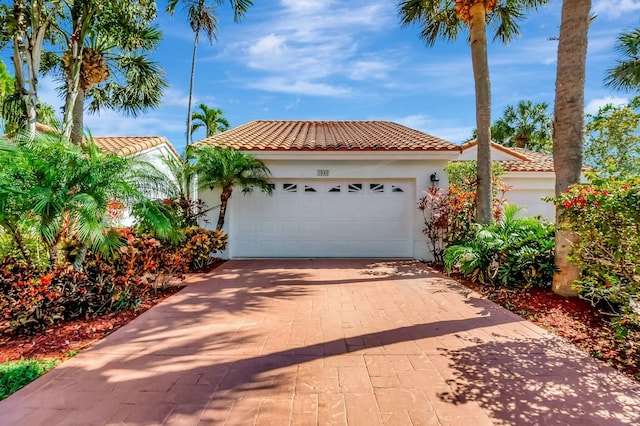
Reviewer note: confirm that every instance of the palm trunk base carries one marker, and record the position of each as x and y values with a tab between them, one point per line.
567	273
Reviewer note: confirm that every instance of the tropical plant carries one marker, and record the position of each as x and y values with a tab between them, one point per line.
512	252
107	61
527	125
202	18
67	191
212	119
613	140
27	24
626	74
568	126
604	214
224	168
444	19
448	215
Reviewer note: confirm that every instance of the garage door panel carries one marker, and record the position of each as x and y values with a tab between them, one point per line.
370	222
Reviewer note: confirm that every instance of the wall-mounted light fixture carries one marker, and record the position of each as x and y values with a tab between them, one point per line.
434	179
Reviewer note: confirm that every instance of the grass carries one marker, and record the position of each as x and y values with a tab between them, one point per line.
17	374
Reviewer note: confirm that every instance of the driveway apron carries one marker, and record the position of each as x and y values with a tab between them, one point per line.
327	342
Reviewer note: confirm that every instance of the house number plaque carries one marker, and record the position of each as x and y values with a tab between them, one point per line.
323	172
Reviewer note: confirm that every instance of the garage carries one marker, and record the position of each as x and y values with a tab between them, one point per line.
325	218
340	189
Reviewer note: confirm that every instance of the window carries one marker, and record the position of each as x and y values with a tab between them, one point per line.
289	187
395	188
355	187
335	188
376	187
308	188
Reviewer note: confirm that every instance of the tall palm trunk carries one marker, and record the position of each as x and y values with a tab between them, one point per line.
568	126
478	32
78	118
72	78
16	235
193	73
224	200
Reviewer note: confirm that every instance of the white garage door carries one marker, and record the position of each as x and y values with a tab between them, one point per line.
356	218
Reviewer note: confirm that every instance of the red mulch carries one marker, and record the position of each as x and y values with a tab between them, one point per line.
62	340
576	320
68	337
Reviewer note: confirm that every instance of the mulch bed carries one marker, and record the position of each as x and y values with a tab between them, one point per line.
574	319
63	340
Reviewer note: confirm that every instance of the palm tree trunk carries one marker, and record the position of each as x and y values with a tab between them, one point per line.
193	73
568	127
224	199
78	118
478	33
17	238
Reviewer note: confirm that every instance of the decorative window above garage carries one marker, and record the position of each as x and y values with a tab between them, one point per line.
289	187
376	187
396	188
309	188
335	188
355	187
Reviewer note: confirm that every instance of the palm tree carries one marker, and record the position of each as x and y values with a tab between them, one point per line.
212	119
202	18
527	125
113	69
67	190
626	74
443	19
28	24
568	127
224	168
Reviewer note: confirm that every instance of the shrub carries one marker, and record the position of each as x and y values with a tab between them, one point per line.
604	214
201	246
514	252
449	216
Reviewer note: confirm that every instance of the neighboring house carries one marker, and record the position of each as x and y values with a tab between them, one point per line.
148	148
529	174
350	188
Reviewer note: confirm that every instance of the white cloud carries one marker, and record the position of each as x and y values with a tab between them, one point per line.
616	8
365	70
310	43
444	129
111	123
299	87
595	104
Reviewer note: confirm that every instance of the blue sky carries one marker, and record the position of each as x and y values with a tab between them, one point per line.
351	60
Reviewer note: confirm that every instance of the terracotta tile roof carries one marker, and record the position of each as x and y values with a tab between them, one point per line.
267	135
527	161
128	145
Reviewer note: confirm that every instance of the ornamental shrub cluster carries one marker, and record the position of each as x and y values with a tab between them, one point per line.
605	215
514	252
31	300
449	215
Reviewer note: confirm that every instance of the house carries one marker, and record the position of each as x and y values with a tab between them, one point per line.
350	188
529	174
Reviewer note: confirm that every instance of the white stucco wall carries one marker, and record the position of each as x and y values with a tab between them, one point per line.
527	191
414	166
154	156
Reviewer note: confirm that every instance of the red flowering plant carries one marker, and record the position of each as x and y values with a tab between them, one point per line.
605	215
449	216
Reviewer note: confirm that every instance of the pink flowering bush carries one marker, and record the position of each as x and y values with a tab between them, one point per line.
605	214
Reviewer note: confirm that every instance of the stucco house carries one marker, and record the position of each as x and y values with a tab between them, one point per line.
348	188
529	175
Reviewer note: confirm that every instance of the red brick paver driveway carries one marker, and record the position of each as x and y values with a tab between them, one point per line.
306	342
